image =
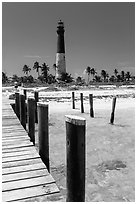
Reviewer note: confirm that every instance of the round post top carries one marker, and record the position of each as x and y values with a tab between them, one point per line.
31	98
75	120
42	104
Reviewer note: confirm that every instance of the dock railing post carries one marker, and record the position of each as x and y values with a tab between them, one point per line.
36	96
113	110
73	100
43	133
91	105
22	110
75	147
17	105
31	119
81	99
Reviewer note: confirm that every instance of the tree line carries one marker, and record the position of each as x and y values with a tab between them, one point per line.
44	76
104	76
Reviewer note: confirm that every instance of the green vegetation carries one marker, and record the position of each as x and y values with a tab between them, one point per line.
45	78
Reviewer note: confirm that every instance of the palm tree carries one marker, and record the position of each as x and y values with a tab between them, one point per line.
107	76
115	72
15	78
88	71
4	77
26	69
44	70
128	76
93	72
97	78
104	74
112	78
37	66
122	75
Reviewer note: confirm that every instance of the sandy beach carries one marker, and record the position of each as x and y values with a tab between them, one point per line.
107	146
110	149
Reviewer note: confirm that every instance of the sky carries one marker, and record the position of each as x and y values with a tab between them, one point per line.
97	34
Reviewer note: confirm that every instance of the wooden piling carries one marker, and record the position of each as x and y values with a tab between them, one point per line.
73	100
17	105
75	146
113	110
91	105
22	110
36	96
43	133
31	119
25	93
81	99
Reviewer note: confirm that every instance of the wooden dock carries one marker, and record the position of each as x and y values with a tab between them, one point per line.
24	175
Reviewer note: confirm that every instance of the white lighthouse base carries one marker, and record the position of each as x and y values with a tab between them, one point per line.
60	64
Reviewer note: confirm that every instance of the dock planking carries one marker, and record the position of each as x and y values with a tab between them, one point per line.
25	178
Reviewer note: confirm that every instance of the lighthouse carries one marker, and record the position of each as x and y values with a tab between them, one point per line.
60	55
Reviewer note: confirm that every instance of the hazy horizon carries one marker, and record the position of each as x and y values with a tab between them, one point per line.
97	34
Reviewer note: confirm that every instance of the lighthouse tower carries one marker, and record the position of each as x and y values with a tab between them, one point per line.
60	55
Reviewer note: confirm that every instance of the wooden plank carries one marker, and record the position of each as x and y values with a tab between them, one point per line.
24	175
29	167
11	128
20	153
23	144
8	133
45	198
19	194
9	137
19	137
14	141
21	157
19	149
14	125
27	182
9	117
21	162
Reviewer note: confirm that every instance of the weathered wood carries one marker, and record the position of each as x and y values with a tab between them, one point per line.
24	175
19	149
36	96
18	169
10	129
13	123
14	140
75	145
27	182
21	162
25	93
22	144
19	194
8	117
45	198
17	105
43	133
91	105
14	137
113	110
73	100
20	157
22	111
31	119
81	99
15	154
